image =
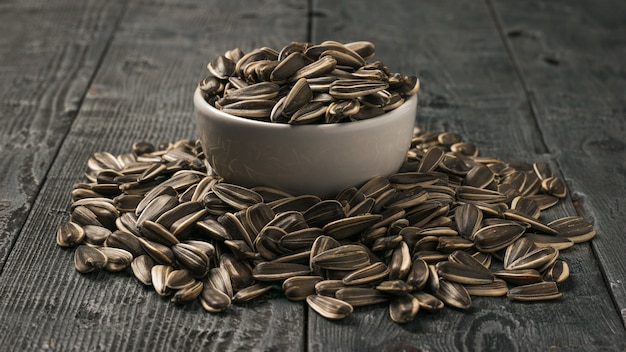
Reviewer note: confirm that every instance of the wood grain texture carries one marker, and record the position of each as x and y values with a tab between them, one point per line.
574	76
49	53
142	90
98	76
469	86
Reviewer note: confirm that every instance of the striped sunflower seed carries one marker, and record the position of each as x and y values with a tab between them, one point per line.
298	288
142	269
89	259
329	307
69	234
403	309
535	292
360	296
453	294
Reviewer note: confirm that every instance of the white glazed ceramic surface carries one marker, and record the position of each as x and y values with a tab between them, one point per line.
321	159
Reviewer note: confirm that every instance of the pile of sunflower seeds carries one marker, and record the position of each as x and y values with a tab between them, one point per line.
304	83
420	239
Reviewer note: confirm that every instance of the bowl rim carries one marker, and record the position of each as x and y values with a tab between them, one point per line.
205	108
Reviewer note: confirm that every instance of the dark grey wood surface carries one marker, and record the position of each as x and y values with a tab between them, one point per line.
524	80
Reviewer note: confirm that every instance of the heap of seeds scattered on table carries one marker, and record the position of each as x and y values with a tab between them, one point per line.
420	239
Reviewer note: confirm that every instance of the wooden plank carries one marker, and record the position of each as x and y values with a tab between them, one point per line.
470	87
574	74
50	51
143	90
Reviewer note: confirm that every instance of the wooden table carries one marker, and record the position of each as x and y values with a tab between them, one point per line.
524	80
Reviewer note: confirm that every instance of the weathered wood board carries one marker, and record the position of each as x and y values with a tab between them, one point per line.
526	81
49	52
142	90
573	74
470	86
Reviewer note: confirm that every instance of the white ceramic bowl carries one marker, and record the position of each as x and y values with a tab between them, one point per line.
320	159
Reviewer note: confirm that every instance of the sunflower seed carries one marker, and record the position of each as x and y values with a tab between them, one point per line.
494	289
117	259
192	258
360	296
235	228
431	159
448	244
400	263
557	272
554	186
95	235
394	287
371	273
557	242
239	271
157	207
69	234
574	228
236	196
315	69
214	300
324	212
258	109
222	67
519	276
479	176
428	301
403	309
142	269
179	279
89	259
464	274
289	221
213	229
218	278
329	307
299	95
298	288
298	203
518	249
355	88
253	291
526	205
365	49
188	293
347	227
341	110
159	279
157	233
384	243
346	257
453	294
534	259
535	292
160	253
299	240
269	271
267	242
179	213
288	66
544	201
513	214
495	237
